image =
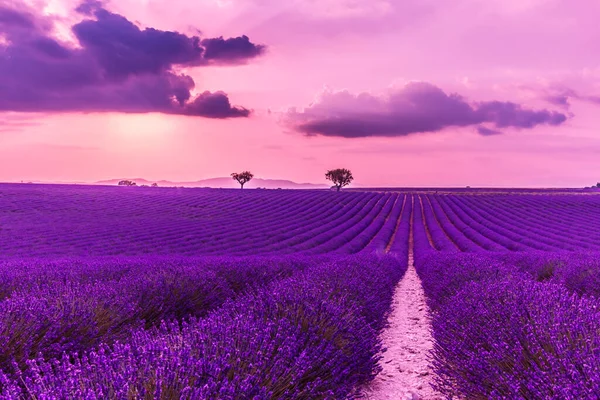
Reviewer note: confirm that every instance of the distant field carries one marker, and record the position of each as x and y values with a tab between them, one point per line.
480	190
131	292
44	220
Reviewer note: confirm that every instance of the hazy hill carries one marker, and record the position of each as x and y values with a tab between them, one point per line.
225	183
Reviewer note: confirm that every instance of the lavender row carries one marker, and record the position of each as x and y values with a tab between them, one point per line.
441	240
500	334
312	335
483	190
277	235
501	235
578	272
421	238
534	232
68	311
486	223
545	226
399	241
342	234
557	211
290	239
363	234
504	222
491	238
383	237
447	225
40	220
472	231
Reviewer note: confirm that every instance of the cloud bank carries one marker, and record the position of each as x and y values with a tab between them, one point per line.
418	107
116	66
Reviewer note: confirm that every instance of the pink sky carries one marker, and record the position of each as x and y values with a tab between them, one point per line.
371	82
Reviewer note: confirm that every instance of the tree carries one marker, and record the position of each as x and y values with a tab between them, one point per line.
242	177
154	184
340	177
127	183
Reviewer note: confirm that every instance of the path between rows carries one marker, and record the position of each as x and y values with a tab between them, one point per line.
406	374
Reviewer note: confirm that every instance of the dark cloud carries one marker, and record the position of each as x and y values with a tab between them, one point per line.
416	108
482	130
230	50
122	49
116	67
507	114
214	105
88	7
9	17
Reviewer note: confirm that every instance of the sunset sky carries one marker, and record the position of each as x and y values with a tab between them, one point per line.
403	93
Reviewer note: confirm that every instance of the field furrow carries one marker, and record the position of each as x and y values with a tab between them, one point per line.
125	292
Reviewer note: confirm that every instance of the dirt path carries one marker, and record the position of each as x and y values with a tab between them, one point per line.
406	374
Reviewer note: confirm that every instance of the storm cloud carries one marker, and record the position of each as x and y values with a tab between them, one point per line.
116	66
418	107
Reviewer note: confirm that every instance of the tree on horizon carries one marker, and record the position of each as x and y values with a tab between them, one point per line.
242	177
340	177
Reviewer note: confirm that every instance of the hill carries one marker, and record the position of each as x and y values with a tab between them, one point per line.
225	183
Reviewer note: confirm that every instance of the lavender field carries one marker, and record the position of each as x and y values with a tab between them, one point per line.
169	293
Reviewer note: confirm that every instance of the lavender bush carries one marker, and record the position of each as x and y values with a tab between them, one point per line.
200	293
518	339
61	315
312	335
510	326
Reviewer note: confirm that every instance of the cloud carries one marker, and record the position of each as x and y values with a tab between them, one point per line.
561	96
116	67
230	51
560	100
482	130
418	107
15	18
89	7
215	105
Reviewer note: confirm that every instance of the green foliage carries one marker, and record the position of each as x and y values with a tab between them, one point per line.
340	177
242	177
127	182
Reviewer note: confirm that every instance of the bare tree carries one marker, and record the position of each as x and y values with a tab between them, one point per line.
340	177
242	177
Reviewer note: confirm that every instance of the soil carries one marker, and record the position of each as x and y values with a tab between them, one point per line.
406	374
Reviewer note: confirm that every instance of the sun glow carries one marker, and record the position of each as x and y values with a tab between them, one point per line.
140	130
60	13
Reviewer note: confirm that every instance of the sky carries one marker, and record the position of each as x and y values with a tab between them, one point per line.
404	93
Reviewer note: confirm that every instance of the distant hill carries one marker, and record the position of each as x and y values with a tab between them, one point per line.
225	183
